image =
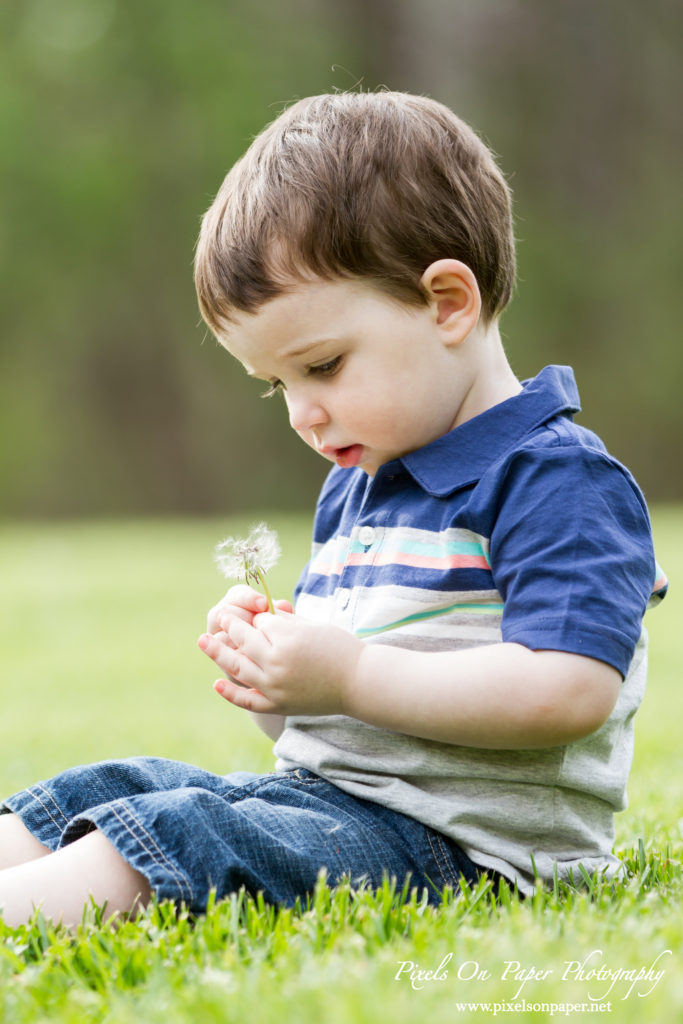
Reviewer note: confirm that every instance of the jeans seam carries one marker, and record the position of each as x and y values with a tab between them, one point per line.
261	783
312	781
154	851
34	792
441	858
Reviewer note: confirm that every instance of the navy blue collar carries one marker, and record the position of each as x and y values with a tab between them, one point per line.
462	456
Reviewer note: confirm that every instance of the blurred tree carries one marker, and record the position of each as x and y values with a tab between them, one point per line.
118	121
581	100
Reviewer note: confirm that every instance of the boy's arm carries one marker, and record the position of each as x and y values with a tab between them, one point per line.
271	725
500	696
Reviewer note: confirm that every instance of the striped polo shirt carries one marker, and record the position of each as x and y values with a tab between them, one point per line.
515	526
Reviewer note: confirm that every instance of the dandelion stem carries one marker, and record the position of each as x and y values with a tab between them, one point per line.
261	576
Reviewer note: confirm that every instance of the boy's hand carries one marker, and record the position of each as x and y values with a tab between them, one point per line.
283	664
241	601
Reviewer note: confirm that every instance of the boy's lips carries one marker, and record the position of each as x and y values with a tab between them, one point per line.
345	457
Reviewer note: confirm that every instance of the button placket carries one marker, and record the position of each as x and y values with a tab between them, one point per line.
366	535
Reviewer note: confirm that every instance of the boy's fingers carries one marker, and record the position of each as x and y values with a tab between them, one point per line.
245	638
223	637
213	623
236	664
228	617
249	699
268	624
242	601
246	597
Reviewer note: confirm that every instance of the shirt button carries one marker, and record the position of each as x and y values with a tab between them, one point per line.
366	535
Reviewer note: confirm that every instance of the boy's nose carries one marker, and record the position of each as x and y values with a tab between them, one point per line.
304	414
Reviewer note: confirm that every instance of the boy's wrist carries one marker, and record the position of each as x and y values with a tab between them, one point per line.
363	682
348	660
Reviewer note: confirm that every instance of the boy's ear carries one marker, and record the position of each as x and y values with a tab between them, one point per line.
453	292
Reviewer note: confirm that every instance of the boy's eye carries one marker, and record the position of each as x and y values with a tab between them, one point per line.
273	388
327	369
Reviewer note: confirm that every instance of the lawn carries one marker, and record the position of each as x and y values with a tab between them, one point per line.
97	641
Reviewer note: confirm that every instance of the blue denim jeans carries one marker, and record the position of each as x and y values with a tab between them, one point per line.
189	831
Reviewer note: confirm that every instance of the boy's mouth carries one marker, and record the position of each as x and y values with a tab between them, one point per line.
344	457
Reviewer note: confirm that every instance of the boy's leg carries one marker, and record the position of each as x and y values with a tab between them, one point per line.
63	883
17	844
189	832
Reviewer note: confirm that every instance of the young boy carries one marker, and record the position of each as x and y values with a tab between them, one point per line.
455	691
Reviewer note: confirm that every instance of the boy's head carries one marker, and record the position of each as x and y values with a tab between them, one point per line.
369	186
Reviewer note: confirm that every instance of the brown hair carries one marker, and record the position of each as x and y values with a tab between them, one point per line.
356	185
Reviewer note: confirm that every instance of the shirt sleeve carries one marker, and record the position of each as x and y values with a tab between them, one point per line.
572	555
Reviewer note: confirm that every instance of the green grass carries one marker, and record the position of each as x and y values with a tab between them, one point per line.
97	637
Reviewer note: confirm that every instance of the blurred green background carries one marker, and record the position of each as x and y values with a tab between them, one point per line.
118	120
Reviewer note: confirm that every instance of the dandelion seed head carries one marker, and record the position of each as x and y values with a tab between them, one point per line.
247	557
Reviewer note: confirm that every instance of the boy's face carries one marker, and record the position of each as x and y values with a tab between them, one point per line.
365	378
